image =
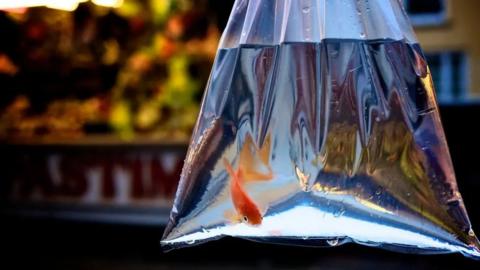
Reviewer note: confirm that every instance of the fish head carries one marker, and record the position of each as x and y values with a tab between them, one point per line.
251	215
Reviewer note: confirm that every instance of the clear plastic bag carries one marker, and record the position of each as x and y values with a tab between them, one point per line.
319	126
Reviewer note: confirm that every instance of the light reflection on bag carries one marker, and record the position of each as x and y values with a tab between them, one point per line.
319	126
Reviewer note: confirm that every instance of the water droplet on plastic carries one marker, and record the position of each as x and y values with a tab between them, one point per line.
359	12
362	34
378	191
306	10
191	242
471	233
332	242
305	237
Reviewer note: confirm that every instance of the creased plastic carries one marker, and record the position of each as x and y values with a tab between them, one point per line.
319	126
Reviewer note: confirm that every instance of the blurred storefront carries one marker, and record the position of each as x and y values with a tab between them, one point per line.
135	70
98	102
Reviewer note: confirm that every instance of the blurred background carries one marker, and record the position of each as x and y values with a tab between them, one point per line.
98	99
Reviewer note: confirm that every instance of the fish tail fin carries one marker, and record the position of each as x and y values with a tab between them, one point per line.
247	153
255	162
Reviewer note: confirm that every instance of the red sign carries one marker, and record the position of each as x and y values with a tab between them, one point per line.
106	178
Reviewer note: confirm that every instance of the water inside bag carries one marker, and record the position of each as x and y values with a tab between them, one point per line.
319	144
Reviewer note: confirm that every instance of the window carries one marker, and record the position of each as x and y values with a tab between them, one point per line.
426	12
450	76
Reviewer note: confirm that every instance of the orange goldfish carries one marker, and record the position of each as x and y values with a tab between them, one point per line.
246	208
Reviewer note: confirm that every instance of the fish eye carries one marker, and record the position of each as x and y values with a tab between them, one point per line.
245	218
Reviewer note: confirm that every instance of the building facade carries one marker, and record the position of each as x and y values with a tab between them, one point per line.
447	31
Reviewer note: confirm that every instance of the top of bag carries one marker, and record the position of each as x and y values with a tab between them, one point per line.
272	22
